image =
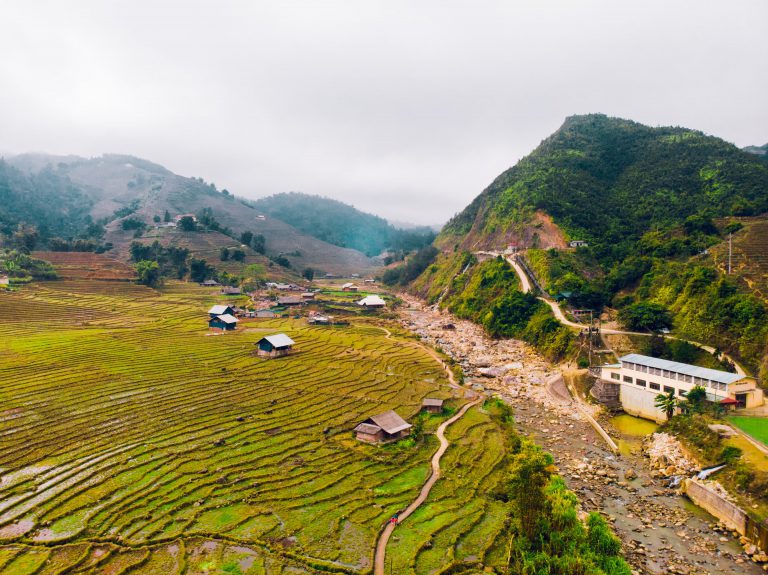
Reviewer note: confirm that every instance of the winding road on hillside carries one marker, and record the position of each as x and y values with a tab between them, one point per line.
381	545
525	287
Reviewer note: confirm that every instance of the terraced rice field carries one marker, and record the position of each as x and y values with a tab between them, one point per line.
87	265
133	441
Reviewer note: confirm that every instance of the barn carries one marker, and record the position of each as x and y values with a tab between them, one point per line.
387	426
226	322
276	345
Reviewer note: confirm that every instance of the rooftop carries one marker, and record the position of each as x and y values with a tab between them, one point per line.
390	422
279	340
684	368
432	402
219	309
372	300
226	318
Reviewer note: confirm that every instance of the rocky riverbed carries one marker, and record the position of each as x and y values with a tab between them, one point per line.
661	532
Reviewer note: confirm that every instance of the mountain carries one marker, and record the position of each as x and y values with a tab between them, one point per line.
112	188
341	224
757	150
654	206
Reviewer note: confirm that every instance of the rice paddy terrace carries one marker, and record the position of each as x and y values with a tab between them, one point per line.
133	441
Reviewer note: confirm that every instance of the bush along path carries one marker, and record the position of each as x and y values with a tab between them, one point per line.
381	546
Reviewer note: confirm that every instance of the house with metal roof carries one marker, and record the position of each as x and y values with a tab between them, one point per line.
276	345
218	310
432	405
372	301
636	380
387	426
225	322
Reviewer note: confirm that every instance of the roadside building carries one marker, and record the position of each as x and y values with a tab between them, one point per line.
224	322
432	405
218	310
372	301
636	380
387	426
276	345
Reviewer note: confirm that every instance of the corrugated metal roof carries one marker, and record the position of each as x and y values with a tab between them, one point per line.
218	309
390	422
372	300
684	368
279	340
432	402
226	318
368	428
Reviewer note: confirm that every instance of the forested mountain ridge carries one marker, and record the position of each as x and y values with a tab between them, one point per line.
112	189
341	224
608	181
651	203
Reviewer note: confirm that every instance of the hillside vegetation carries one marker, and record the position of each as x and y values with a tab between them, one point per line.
651	203
341	224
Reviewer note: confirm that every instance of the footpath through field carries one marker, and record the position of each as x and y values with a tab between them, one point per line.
381	546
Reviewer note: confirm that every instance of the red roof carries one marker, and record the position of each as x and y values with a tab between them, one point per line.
728	401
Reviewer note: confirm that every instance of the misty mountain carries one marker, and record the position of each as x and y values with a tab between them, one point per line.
341	224
111	188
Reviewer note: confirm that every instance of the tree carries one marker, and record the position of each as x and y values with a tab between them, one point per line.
530	474
308	274
259	244
224	254
199	270
156	219
667	403
167	216
148	272
25	238
238	255
694	400
644	315
246	238
187	224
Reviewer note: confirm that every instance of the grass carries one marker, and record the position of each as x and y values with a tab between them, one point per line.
757	427
134	441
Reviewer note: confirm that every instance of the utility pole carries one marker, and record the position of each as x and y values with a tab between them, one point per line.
730	251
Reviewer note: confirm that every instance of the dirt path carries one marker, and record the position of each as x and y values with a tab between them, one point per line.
381	546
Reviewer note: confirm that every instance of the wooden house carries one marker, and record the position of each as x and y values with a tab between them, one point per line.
349	286
372	301
218	310
229	290
224	322
290	300
432	405
276	345
387	426
210	283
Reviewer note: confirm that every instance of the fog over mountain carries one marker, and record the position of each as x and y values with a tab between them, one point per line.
400	108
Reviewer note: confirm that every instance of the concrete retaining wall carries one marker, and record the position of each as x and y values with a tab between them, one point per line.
732	516
640	402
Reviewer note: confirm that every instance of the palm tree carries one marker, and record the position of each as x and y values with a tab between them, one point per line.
667	403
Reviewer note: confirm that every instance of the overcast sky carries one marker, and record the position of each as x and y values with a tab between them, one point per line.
407	109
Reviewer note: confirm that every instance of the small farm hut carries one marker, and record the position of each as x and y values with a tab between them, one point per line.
276	345
229	290
218	310
387	426
432	405
210	283
349	287
372	301
225	322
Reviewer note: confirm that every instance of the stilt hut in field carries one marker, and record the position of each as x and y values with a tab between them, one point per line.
276	345
387	426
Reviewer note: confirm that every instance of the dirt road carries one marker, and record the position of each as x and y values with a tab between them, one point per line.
381	546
